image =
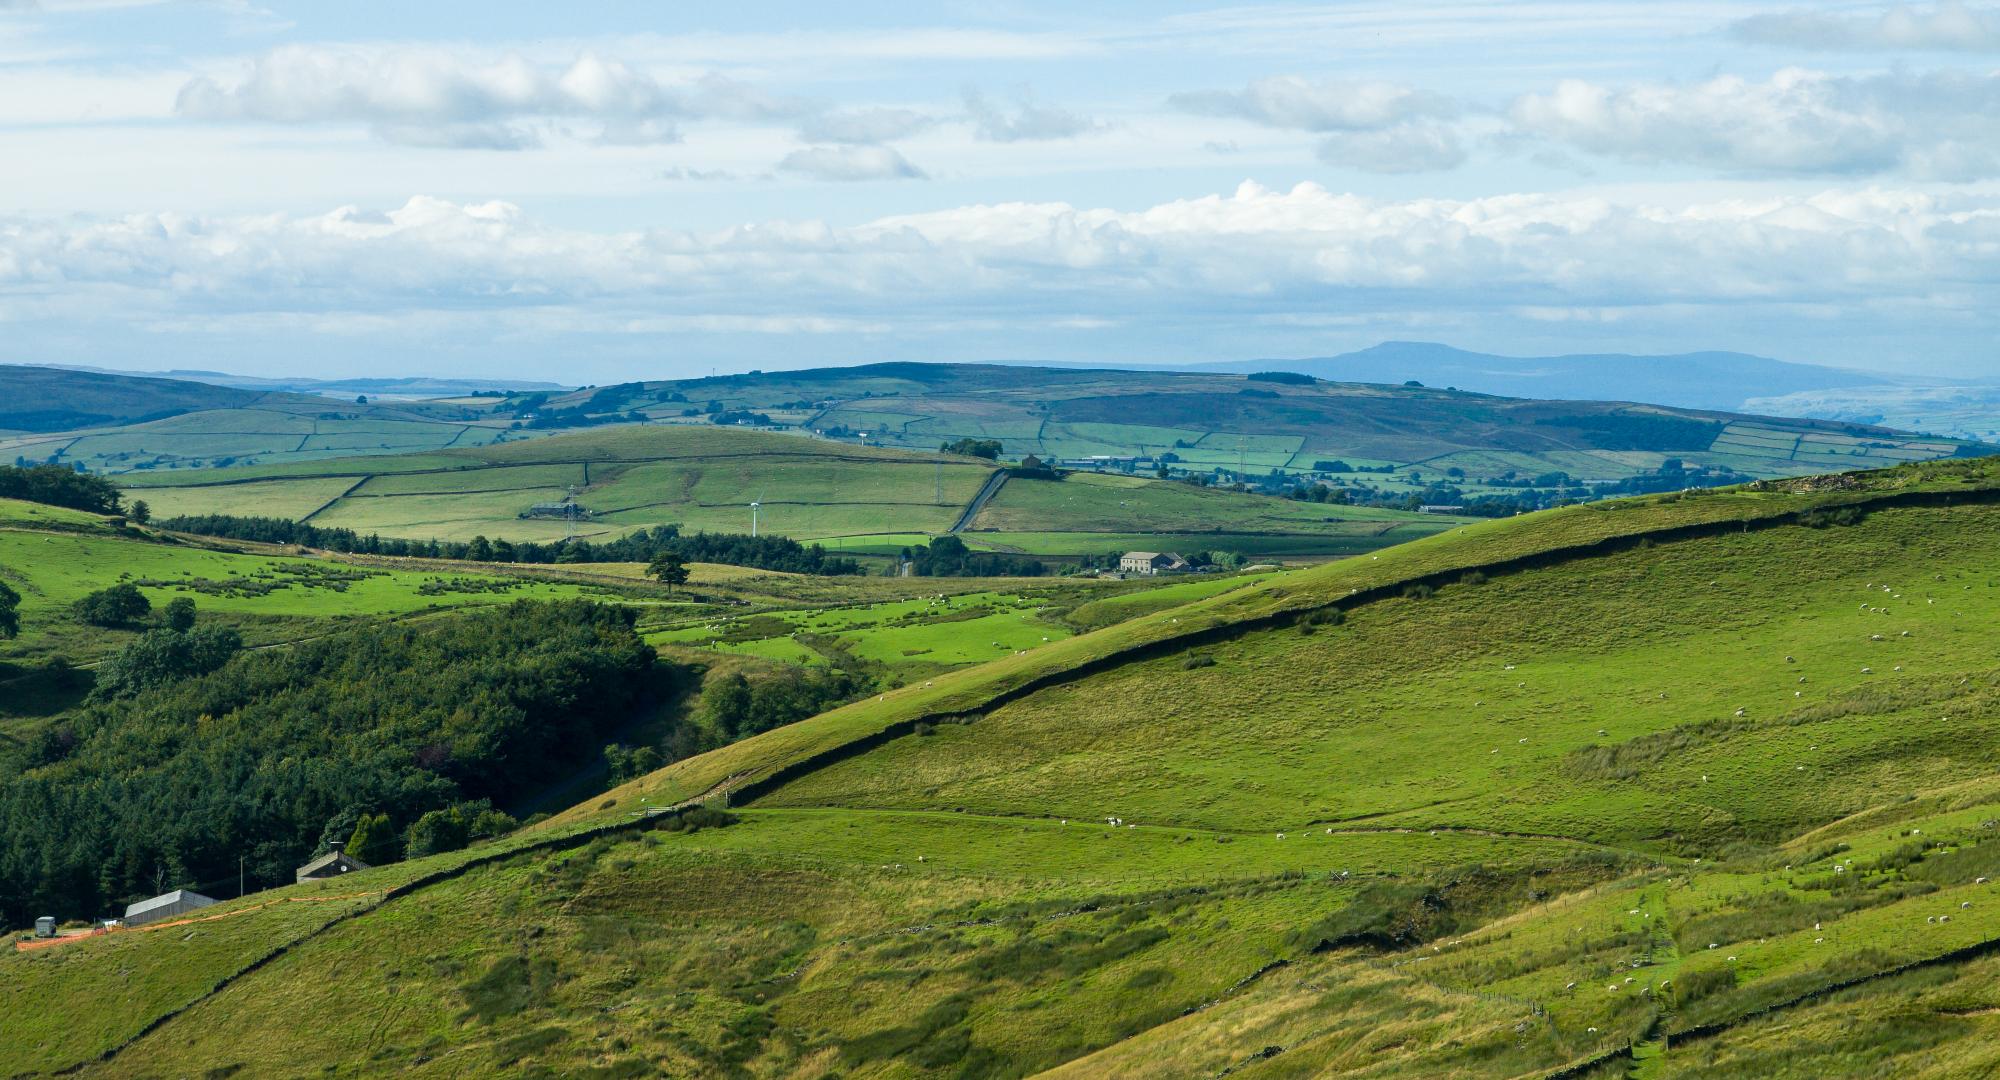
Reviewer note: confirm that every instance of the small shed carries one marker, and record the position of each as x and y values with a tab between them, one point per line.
332	864
165	906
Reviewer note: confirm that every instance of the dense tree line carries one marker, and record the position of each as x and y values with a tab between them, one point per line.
59	485
947	556
760	552
169	774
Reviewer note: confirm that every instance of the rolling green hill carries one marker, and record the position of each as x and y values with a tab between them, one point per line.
1254	425
855	499
39	399
1687	785
124	423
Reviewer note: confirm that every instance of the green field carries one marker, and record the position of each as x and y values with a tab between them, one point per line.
1531	802
853	499
909	637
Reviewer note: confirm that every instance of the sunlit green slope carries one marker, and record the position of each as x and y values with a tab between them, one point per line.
1682	786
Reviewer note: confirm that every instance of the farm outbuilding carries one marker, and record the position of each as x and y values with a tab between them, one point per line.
1151	562
332	864
165	906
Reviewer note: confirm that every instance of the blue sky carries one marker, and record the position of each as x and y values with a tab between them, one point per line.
599	192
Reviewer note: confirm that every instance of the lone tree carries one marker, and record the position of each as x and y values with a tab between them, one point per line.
140	512
118	605
669	570
180	614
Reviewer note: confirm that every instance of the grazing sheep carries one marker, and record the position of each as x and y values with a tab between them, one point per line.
1819	941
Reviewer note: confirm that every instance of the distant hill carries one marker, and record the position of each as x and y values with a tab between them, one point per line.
1253	425
1700	380
39	399
1267	428
417	386
114	423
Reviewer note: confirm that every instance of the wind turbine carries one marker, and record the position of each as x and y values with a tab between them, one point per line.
754	504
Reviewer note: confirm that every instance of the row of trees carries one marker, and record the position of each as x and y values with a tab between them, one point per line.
180	764
760	552
59	485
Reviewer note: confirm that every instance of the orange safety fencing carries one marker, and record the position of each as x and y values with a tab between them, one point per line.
63	939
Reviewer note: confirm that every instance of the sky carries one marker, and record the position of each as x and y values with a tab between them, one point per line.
599	192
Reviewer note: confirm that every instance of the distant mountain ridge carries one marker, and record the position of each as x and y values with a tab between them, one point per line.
416	386
1699	380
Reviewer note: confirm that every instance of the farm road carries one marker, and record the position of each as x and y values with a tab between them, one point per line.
979	501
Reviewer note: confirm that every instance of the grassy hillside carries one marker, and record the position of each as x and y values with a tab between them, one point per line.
853	498
1686	785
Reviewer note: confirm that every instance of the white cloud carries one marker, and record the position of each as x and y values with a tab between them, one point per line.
1254	246
1028	121
1404	148
849	162
1939	125
436	97
1319	106
1950	27
869	125
434	278
1371	125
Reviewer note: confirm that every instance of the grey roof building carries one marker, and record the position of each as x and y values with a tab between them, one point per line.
165	906
332	864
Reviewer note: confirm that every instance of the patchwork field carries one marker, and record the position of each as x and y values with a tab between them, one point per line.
854	499
1203	422
1687	785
